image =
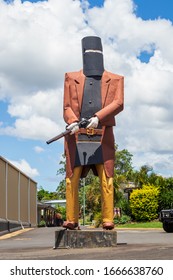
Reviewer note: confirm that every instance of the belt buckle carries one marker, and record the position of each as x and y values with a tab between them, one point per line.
90	131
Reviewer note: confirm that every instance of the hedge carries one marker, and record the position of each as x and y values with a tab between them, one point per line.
144	203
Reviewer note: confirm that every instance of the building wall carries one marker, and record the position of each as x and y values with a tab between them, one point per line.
2	189
24	215
12	193
18	198
33	203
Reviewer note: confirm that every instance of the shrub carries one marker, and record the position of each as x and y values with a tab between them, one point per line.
42	223
62	211
166	199
144	203
125	206
98	219
122	220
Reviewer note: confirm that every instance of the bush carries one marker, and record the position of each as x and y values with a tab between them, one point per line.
122	220
144	203
98	219
62	211
166	199
42	223
125	206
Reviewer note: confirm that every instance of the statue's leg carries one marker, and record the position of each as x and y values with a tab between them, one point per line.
72	198
107	197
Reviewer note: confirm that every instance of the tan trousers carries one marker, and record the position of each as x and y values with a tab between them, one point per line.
72	200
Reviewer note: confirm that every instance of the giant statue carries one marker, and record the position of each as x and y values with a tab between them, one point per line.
95	95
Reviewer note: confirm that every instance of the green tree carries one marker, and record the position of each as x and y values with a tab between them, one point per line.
61	188
123	164
166	193
43	194
166	199
123	173
146	175
141	177
92	195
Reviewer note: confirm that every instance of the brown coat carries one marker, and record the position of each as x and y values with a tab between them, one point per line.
112	96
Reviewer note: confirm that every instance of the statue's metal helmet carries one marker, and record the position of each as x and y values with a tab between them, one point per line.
92	53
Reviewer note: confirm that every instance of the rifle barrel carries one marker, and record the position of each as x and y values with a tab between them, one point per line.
58	136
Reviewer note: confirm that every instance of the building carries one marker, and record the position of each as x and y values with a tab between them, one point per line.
56	202
46	213
18	198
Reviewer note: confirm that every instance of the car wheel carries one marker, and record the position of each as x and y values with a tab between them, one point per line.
168	227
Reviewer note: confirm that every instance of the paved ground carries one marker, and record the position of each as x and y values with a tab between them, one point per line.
136	244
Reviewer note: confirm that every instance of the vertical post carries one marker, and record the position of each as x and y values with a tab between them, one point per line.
6	191
36	210
29	202
83	201
19	208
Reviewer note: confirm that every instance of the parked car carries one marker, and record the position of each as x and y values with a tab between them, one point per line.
166	217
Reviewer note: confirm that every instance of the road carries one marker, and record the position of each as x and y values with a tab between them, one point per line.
136	244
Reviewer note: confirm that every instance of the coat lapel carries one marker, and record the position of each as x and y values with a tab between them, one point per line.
104	86
80	81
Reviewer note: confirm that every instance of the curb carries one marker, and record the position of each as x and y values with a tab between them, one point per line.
12	234
139	229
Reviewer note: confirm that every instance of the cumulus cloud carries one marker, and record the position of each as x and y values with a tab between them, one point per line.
37	116
41	41
24	166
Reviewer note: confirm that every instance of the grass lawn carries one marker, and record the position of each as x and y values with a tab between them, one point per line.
154	224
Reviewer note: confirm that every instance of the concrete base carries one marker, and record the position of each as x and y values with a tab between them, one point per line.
85	238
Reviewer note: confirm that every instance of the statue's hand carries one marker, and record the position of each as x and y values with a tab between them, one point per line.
74	127
93	122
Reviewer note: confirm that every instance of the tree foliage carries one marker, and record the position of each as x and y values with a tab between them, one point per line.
123	164
166	199
61	188
93	196
45	195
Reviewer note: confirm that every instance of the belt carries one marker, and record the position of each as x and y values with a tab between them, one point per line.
90	131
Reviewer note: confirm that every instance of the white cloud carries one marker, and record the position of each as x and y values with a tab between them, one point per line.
40	42
38	149
161	163
35	127
24	166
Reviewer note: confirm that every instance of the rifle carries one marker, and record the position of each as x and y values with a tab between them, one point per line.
83	123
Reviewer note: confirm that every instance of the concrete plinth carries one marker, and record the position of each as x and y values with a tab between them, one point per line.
85	238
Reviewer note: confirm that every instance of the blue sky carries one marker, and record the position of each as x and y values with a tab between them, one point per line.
36	41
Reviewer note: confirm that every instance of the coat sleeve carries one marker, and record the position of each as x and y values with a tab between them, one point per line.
115	107
68	113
